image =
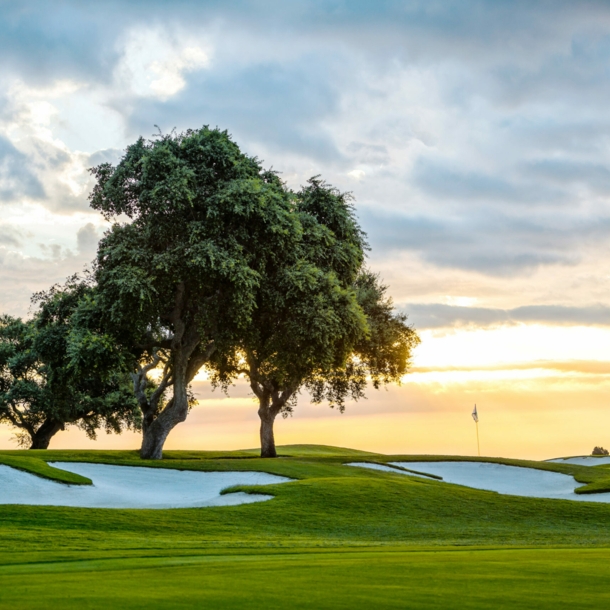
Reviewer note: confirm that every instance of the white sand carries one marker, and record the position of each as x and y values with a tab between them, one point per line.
132	487
503	479
583	461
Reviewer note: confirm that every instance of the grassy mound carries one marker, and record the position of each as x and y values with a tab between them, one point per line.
335	537
36	465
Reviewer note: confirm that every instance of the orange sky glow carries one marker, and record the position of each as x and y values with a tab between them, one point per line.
541	392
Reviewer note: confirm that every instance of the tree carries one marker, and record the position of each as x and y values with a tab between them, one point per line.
42	390
23	395
321	322
177	283
380	357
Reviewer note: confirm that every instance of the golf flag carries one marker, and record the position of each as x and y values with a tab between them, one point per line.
475	415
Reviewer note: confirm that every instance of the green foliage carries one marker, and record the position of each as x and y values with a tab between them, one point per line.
24	396
202	213
380	356
178	282
321	321
222	263
43	387
37	466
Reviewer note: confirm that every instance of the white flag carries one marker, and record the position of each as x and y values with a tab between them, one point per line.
475	415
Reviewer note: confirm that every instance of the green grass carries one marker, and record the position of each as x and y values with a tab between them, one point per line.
526	578
36	465
335	537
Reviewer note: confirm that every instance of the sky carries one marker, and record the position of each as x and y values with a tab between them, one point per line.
474	136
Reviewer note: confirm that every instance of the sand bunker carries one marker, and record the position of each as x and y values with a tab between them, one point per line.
586	460
503	479
132	487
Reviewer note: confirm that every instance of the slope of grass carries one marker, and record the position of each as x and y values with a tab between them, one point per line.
595	479
337	537
36	465
328	504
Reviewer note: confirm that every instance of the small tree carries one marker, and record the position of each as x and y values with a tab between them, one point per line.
42	390
600	451
24	398
177	283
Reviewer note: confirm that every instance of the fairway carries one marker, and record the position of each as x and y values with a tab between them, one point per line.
334	536
520	578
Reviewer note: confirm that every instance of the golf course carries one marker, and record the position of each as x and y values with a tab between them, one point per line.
304	305
334	535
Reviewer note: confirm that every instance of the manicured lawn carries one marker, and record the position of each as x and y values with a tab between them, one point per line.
520	578
336	537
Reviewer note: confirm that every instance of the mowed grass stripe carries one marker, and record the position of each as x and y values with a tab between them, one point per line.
520	578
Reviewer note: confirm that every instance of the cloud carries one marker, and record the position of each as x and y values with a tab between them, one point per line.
487	240
437	315
21	276
447	183
9	236
16	179
154	64
472	133
595	177
278	104
87	239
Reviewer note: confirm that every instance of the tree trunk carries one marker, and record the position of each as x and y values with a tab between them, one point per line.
155	434
155	431
42	437
267	438
271	401
154	437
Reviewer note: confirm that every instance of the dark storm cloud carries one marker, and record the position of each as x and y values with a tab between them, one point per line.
436	315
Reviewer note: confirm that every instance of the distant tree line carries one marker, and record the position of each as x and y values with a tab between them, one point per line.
211	262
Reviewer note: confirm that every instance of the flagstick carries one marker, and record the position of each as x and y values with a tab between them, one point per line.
478	446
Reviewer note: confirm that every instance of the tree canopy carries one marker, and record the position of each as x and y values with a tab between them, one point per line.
43	389
321	321
211	261
178	281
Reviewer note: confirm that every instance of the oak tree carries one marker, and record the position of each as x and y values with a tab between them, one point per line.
43	390
196	223
322	322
